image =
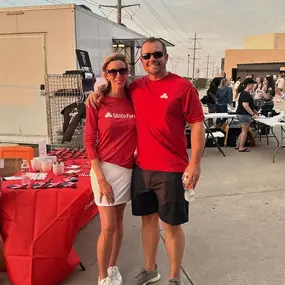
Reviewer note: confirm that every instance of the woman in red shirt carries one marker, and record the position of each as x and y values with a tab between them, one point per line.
110	140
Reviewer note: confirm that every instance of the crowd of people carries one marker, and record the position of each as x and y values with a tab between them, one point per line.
247	98
265	88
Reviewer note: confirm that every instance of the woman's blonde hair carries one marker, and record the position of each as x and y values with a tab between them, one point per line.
114	57
225	82
107	61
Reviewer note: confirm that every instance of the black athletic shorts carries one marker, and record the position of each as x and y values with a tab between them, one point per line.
159	192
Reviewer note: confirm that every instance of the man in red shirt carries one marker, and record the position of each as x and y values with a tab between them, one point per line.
164	102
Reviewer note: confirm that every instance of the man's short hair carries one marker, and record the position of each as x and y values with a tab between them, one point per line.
153	40
248	81
250	75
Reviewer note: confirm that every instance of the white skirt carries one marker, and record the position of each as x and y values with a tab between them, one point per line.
119	178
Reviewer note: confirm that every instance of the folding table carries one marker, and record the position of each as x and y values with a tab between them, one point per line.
272	123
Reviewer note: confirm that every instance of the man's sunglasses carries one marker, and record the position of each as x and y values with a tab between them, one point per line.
114	72
156	55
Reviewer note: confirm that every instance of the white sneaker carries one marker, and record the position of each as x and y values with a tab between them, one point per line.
115	275
106	281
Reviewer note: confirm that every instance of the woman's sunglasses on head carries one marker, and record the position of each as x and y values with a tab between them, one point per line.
114	72
156	55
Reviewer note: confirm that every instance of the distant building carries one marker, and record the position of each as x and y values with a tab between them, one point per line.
268	48
260	69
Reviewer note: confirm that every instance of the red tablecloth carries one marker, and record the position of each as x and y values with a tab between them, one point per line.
39	228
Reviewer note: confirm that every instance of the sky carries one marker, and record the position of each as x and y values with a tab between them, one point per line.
221	24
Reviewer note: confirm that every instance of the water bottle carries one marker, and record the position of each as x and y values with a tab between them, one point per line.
189	195
25	173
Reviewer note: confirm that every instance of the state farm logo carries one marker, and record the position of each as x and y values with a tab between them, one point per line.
164	96
120	116
108	115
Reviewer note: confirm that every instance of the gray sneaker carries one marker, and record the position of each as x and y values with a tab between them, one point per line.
144	277
175	282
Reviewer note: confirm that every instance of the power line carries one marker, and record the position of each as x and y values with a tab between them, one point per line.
128	16
133	13
53	2
166	26
170	13
142	26
97	5
138	25
194	53
145	26
11	3
119	8
207	66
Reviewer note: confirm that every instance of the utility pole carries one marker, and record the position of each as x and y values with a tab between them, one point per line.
195	39
119	8
207	68
119	12
188	66
213	75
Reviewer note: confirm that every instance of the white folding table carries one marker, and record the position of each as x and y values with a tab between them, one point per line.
272	123
220	116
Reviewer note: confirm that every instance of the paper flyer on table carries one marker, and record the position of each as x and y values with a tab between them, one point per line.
42	148
13	178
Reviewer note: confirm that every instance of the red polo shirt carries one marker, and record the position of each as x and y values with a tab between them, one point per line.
162	109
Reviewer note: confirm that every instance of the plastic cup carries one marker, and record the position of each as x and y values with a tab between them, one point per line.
46	165
58	168
36	164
